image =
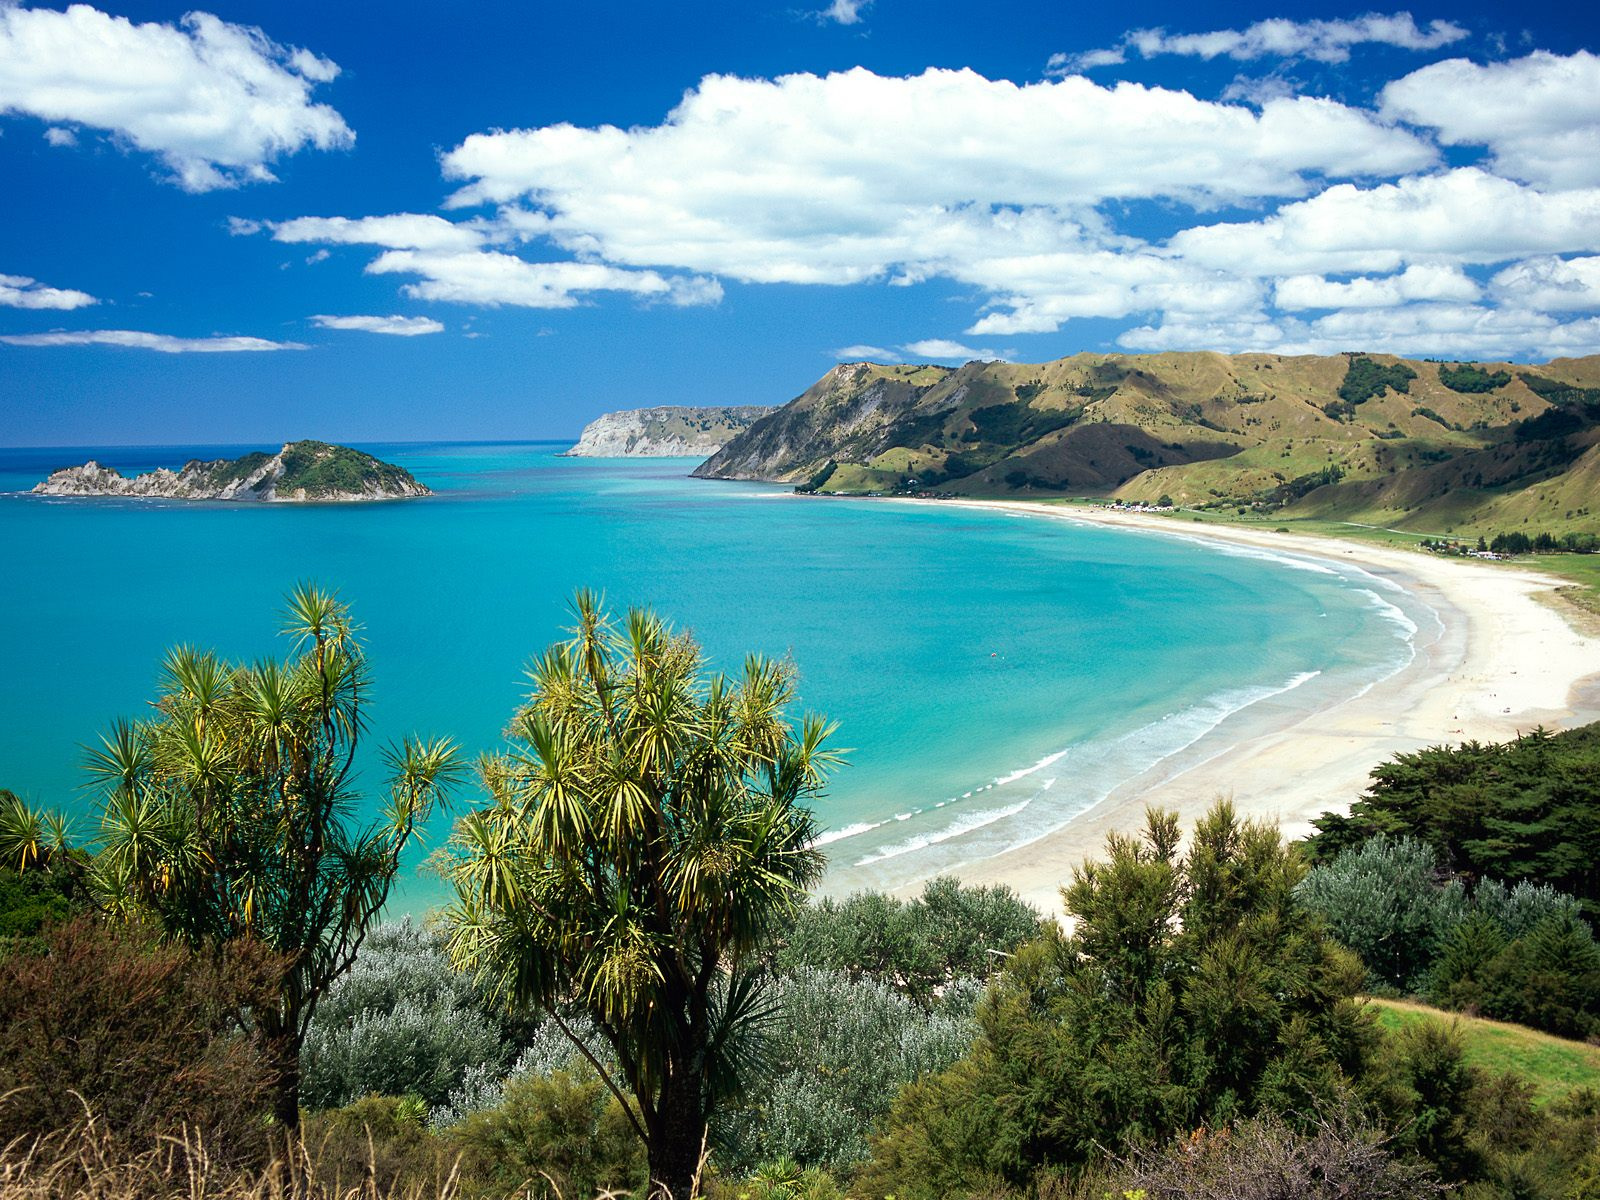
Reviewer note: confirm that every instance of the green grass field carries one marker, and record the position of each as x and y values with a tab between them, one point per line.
1553	1065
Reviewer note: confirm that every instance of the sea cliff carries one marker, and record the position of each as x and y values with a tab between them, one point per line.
299	472
664	432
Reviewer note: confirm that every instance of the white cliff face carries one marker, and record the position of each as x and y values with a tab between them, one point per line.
258	477
665	432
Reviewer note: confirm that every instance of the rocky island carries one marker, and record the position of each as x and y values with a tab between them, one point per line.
664	432
300	472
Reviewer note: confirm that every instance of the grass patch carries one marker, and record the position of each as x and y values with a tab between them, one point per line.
1555	1066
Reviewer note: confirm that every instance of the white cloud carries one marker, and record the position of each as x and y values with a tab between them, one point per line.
1323	41
944	348
1550	284
60	136
885	164
1539	116
845	12
397	326
1422	330
216	102
1462	216
18	291
398	231
318	256
1418	282
865	354
493	278
140	340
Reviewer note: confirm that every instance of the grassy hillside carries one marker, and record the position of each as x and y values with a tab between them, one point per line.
1425	446
1555	1066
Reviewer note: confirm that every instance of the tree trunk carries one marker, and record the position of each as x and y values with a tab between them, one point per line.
676	1141
286	1089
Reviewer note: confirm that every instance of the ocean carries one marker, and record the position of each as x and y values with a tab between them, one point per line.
992	674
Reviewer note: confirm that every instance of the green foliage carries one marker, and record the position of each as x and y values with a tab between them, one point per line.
399	1022
227	814
322	469
1019	423
143	1035
1468	378
1365	378
917	946
1519	810
1192	990
552	1136
647	838
840	1051
1391	902
30	900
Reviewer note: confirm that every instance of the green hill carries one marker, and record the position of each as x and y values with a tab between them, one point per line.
1555	1066
1410	444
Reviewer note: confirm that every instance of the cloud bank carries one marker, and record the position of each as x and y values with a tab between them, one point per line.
216	103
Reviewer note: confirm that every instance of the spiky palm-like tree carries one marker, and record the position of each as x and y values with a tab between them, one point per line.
230	813
647	834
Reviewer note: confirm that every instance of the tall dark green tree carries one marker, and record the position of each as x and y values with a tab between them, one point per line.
231	813
648	836
1192	990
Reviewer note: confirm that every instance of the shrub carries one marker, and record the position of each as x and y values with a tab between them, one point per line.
142	1037
1391	902
1365	378
915	946
400	1022
1470	377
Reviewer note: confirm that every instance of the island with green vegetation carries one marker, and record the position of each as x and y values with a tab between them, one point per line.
1432	447
631	990
299	472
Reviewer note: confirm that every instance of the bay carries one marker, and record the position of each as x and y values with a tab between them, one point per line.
991	674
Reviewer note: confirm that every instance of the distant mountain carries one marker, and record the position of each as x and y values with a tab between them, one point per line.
1369	437
301	471
665	432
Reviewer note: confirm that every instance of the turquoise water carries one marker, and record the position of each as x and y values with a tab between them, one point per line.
991	674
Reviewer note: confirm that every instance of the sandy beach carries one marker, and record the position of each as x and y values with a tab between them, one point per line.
1502	660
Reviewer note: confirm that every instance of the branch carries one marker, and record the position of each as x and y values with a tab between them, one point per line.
605	1077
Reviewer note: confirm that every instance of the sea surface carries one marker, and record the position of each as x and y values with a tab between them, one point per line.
992	675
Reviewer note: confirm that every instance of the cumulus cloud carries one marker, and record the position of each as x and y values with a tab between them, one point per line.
886	164
865	354
1322	41
1539	116
217	103
398	231
844	12
493	278
1550	284
1418	282
943	349
19	291
136	339
395	326
60	136
1462	216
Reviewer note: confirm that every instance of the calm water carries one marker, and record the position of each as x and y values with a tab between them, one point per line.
991	674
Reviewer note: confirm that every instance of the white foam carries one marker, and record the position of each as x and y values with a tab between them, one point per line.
830	836
961	825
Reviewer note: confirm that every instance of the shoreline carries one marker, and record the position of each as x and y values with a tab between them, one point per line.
1506	658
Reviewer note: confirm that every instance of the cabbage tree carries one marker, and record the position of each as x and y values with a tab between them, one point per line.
647	836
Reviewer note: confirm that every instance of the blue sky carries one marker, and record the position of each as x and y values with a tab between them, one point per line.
259	221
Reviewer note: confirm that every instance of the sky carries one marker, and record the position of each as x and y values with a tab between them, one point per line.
256	222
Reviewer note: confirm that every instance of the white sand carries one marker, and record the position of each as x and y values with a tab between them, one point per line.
1505	662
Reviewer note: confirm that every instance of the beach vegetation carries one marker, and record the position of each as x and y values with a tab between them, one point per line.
228	816
1511	811
648	836
1193	990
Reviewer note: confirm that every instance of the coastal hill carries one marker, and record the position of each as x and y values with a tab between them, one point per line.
665	432
301	471
1367	437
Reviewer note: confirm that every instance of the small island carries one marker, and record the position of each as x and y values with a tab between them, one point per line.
304	471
